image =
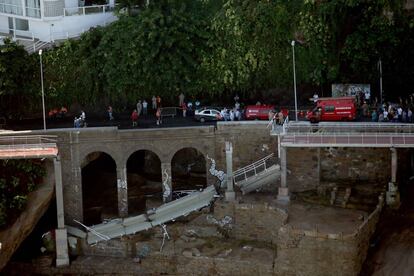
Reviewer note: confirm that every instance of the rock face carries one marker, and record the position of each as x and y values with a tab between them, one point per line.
37	204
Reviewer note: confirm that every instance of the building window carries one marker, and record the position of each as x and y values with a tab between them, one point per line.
11	7
32	8
22	24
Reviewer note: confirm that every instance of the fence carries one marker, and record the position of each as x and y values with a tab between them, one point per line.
169	111
348	139
253	169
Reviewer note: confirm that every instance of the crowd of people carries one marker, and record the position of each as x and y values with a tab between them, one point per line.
401	111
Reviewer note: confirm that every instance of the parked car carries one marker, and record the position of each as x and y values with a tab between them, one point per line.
207	114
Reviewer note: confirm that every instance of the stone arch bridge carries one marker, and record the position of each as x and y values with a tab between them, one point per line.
120	145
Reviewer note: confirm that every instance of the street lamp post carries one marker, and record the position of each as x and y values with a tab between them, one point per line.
43	90
294	79
380	72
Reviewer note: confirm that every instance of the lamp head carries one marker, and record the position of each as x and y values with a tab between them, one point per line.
40	52
293	43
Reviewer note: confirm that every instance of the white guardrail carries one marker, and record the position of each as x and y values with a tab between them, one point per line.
27	140
160	215
253	169
340	139
87	10
361	127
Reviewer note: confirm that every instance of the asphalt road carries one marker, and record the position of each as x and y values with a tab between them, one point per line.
122	121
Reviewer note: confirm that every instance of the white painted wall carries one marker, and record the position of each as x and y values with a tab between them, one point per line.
4	24
71	3
68	26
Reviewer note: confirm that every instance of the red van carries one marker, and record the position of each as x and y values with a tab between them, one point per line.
258	112
333	109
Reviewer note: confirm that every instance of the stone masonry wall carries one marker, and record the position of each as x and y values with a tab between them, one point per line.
303	170
355	164
312	253
251	142
254	222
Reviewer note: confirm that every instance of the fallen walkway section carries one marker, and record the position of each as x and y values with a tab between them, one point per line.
165	213
257	175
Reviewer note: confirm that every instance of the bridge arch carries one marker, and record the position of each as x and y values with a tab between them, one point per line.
144	181
189	169
99	187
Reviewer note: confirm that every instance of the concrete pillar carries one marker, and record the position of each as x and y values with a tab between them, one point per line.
74	197
393	195
166	182
230	194
62	256
122	187
283	193
394	163
59	193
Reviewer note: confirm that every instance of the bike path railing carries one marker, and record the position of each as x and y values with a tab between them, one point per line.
31	146
398	140
243	174
165	213
358	127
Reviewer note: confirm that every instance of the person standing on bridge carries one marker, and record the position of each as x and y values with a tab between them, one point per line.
139	107
158	101
110	113
144	107
181	99
134	118
184	108
154	102
158	115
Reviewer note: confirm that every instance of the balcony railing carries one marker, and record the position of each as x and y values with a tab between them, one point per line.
11	9
87	10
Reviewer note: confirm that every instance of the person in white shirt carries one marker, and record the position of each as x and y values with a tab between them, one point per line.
144	107
181	99
154	102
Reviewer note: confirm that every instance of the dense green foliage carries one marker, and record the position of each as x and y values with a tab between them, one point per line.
17	179
18	79
212	49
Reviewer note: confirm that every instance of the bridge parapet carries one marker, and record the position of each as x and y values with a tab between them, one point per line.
347	127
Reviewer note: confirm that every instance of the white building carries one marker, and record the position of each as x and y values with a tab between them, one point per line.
50	20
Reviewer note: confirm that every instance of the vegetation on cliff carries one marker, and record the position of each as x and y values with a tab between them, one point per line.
216	48
17	179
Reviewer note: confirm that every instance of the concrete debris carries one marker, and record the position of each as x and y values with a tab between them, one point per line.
187	253
187	238
225	253
247	248
137	260
195	252
143	252
191	233
226	221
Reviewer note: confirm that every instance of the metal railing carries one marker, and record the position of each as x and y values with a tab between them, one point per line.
165	213
349	139
27	141
169	111
253	169
87	10
358	127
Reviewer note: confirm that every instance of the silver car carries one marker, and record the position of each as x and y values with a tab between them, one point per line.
207	114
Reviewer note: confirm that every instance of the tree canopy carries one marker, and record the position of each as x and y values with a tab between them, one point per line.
216	48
